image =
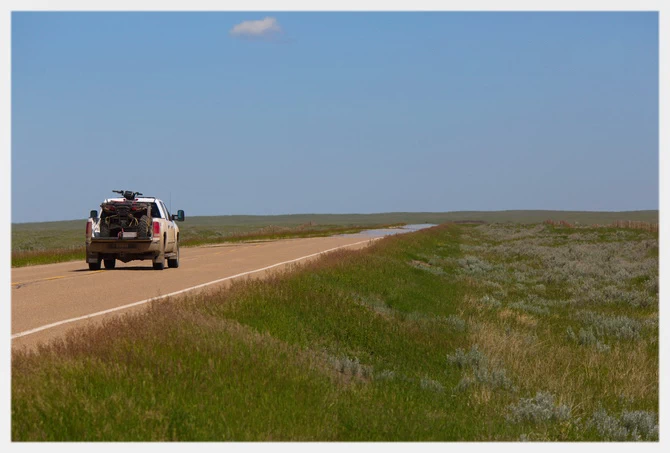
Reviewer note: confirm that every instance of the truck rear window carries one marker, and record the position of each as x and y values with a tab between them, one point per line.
154	210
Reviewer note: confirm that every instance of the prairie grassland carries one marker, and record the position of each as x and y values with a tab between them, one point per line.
633	224
575	327
493	332
51	242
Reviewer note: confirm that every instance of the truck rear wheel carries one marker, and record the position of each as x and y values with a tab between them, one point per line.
94	266
174	262
109	264
159	261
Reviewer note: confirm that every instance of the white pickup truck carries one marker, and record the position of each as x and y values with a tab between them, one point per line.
130	228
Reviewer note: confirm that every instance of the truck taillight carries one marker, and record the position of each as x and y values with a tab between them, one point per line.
89	226
157	229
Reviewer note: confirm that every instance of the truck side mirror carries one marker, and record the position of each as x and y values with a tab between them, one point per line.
180	216
93	214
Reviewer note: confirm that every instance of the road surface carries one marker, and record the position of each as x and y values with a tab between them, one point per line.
48	300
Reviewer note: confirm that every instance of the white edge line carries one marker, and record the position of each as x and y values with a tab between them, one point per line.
123	307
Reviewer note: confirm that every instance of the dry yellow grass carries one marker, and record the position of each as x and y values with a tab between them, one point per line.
522	319
566	371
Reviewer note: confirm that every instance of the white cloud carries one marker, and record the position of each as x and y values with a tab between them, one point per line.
256	28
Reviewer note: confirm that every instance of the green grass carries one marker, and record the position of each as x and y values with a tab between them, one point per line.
51	242
48	256
452	333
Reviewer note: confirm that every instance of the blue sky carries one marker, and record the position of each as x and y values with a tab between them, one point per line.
334	112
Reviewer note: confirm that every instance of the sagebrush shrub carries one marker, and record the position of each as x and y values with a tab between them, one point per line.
541	408
635	425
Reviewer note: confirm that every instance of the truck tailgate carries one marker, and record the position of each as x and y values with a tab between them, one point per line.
114	243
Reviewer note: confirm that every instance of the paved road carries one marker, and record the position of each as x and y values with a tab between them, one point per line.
58	293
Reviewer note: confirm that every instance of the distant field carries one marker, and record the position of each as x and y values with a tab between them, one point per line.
32	236
65	239
455	333
583	217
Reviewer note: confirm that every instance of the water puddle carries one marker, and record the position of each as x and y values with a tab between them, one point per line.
391	231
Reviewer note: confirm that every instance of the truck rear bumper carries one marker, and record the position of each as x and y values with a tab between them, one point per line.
124	245
122	249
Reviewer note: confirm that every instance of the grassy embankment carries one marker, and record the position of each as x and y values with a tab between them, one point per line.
52	242
494	332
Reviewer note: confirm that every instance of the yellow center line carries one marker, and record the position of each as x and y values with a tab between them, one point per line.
54	278
231	250
216	253
225	251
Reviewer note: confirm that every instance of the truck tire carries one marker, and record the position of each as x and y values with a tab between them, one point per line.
160	264
94	266
143	227
174	262
109	264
